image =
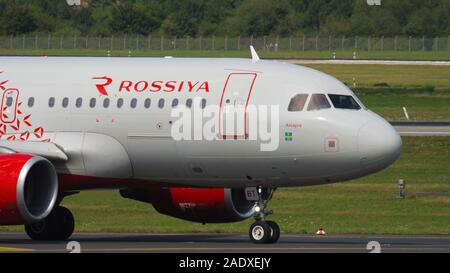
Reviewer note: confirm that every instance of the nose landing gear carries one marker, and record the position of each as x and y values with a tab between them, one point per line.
262	231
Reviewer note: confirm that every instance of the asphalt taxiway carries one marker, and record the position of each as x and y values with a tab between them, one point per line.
422	128
225	243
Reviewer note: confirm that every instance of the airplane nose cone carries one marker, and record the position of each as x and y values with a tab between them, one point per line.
379	145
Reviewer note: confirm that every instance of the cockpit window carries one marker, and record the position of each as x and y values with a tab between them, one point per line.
344	102
317	102
297	103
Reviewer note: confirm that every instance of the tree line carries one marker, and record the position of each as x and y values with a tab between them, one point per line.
194	18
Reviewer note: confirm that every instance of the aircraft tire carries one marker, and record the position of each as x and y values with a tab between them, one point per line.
58	226
260	232
275	234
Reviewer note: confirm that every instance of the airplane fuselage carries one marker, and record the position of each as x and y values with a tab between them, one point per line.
113	117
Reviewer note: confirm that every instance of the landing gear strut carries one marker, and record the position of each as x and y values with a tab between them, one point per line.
262	231
58	226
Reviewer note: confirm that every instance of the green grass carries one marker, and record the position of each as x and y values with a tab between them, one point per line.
365	205
398	55
390	75
422	104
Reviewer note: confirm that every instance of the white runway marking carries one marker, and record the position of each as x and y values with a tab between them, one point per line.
422	129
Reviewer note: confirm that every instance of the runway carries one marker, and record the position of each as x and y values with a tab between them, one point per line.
422	128
225	243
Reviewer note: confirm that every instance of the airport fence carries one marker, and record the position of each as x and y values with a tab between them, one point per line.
305	43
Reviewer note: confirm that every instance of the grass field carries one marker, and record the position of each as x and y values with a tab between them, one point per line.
393	55
389	75
365	205
421	104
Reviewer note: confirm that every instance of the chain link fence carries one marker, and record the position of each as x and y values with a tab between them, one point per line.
307	43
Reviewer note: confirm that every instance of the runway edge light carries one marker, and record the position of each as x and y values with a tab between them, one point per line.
321	232
402	189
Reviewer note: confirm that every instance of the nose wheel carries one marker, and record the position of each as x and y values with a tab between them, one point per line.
262	231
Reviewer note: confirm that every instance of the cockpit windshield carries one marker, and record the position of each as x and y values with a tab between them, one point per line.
318	102
344	102
297	103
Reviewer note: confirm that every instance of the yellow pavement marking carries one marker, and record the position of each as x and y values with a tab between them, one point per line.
14	249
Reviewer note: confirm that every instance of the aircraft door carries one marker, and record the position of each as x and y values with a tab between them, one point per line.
233	105
9	105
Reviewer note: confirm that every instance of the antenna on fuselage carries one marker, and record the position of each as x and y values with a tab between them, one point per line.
255	56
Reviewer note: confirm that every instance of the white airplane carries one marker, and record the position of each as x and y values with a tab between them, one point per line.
70	124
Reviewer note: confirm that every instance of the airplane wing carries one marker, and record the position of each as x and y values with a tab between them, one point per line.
44	149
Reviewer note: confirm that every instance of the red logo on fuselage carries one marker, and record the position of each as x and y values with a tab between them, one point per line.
14	124
102	86
152	86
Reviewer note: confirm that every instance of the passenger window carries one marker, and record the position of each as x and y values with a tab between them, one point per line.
203	103
79	102
119	103
174	103
297	103
65	102
344	102
161	103
189	103
147	103
106	103
133	103
51	102
317	102
9	101
30	102
92	102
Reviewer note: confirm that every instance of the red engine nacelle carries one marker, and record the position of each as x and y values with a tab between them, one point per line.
204	205
28	188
